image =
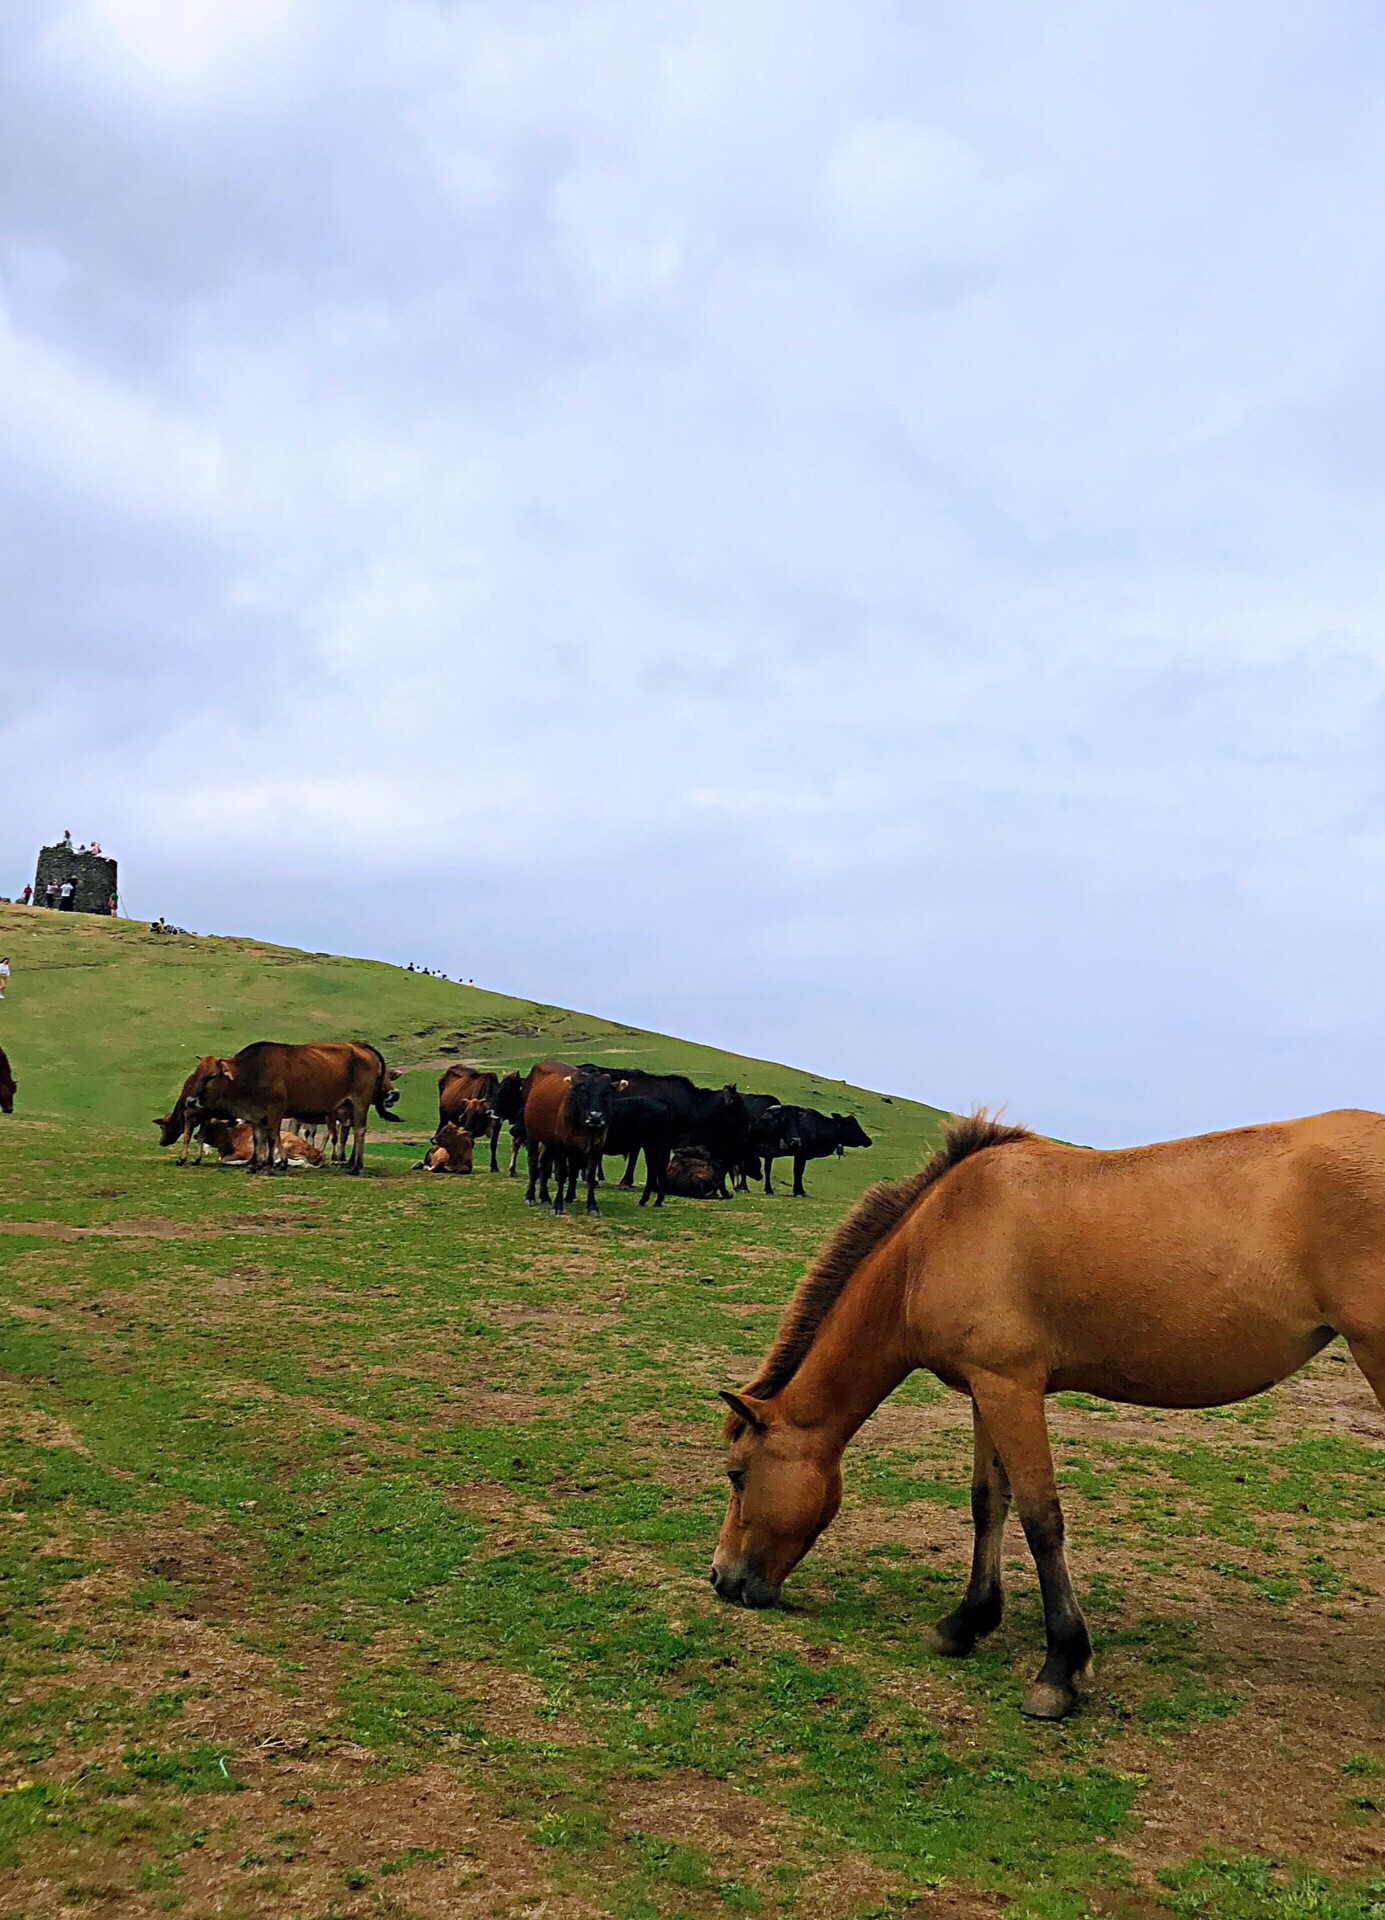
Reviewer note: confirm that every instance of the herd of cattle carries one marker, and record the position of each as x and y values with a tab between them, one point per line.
699	1142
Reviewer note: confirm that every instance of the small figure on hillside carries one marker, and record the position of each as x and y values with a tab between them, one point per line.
50	895
66	894
67	838
4	974
28	893
96	848
110	906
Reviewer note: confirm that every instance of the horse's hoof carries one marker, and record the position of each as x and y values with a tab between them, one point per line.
1042	1700
936	1641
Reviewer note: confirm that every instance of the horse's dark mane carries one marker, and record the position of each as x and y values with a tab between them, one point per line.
876	1214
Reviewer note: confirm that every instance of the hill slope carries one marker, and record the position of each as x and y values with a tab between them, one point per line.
104	1019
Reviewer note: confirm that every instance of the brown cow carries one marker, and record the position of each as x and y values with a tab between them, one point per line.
696	1176
233	1142
451	1151
465	1097
269	1079
180	1120
8	1083
565	1118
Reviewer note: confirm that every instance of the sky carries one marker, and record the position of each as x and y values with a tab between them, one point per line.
850	531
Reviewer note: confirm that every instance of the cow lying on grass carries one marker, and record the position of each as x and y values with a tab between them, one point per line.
450	1152
694	1175
233	1142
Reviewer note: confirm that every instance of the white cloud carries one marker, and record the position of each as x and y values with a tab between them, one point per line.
854	533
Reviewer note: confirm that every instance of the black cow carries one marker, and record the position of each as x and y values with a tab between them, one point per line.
711	1117
638	1124
507	1103
767	1137
814	1136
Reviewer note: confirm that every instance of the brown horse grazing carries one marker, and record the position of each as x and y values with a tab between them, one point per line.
1187	1274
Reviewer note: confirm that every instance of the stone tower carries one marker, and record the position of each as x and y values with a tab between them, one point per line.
92	874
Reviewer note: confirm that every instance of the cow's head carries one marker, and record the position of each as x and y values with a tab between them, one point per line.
507	1102
850	1132
474	1119
213	1087
587	1108
170	1127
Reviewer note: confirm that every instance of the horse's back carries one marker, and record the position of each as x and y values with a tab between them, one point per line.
1184	1273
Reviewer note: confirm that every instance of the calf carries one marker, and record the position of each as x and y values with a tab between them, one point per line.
693	1175
814	1136
450	1151
466	1097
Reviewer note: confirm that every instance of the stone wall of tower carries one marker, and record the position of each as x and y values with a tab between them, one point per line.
92	874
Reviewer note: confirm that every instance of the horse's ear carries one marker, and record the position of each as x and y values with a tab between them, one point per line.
751	1411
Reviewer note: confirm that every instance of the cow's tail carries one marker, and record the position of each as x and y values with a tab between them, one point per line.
378	1102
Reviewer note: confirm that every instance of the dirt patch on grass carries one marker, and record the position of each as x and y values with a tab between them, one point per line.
512	1704
155	1227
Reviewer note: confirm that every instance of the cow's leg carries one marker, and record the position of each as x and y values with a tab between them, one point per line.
983	1601
655	1172
769	1175
800	1161
495	1146
557	1156
531	1190
274	1127
627	1179
593	1163
516	1142
1013	1412
359	1120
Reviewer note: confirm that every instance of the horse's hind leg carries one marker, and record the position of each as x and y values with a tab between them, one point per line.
1014	1413
983	1601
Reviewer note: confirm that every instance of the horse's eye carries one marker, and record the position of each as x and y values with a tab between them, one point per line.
737	1477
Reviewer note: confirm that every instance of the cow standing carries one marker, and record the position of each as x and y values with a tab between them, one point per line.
268	1079
8	1083
185	1120
814	1136
566	1111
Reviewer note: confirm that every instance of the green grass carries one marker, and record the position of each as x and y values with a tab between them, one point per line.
371	1486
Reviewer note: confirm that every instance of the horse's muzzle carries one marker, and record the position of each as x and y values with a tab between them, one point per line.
743	1588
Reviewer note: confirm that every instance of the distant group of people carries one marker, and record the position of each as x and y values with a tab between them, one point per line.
435	973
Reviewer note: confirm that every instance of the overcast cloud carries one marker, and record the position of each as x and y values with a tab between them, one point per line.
852	531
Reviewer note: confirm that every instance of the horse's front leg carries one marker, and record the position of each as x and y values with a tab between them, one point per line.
983	1602
1014	1413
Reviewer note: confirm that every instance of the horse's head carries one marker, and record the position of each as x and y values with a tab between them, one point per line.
786	1486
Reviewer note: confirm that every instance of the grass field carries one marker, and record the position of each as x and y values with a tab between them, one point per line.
354	1537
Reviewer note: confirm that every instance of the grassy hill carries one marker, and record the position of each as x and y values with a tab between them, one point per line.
104	1019
354	1536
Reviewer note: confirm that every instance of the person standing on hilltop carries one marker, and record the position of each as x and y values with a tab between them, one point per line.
28	893
4	974
65	894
